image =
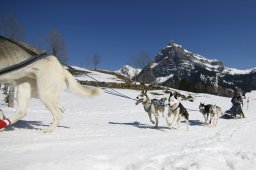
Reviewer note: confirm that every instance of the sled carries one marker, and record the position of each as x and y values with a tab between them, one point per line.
234	112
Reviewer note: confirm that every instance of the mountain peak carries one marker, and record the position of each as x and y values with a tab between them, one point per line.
128	71
173	44
182	59
174	63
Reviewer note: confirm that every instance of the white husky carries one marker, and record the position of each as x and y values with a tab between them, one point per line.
151	106
215	112
44	79
177	110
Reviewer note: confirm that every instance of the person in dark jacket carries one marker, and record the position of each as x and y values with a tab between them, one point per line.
237	99
237	102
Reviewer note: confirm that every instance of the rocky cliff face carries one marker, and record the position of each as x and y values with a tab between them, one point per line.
176	67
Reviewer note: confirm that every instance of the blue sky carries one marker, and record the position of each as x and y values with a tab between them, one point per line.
117	30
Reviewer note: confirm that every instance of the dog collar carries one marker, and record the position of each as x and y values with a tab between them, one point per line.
176	107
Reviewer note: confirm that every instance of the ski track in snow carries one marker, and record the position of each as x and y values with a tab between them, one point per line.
108	132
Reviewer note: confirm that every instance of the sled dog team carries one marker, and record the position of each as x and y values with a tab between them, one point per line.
176	111
46	78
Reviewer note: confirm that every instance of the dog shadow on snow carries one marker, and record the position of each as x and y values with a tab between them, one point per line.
139	125
162	128
25	124
195	123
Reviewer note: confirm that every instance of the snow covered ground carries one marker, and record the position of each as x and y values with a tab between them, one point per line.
109	132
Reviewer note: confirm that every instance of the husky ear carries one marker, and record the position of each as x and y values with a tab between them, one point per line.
176	96
170	96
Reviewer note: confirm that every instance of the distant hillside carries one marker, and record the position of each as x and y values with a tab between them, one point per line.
104	78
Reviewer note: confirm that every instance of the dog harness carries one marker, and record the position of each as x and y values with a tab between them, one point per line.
159	102
183	110
147	106
15	55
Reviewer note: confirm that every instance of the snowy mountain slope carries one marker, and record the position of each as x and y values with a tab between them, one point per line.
129	71
109	132
102	77
195	73
234	71
187	59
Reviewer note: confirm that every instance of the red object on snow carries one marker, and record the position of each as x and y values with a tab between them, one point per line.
4	123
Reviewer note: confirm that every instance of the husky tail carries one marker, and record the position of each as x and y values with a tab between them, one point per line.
77	88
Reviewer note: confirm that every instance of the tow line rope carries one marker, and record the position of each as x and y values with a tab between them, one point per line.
116	93
112	91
